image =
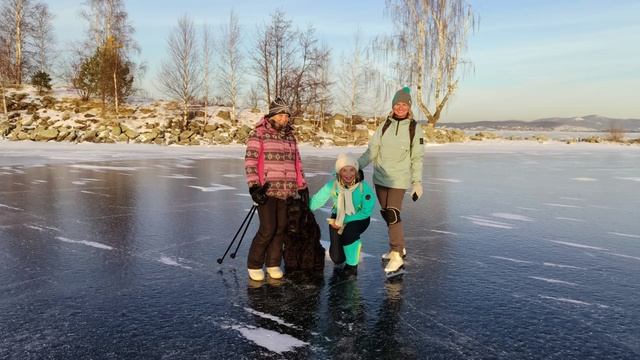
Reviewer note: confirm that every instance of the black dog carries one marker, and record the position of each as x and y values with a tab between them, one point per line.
302	248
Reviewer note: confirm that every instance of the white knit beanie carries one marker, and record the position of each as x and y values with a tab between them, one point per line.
346	160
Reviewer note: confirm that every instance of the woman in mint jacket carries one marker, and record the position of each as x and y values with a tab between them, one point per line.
396	151
353	201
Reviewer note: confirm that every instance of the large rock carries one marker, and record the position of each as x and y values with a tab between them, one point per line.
186	135
46	134
225	115
148	137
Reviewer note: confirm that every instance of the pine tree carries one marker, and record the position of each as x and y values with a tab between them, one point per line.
42	81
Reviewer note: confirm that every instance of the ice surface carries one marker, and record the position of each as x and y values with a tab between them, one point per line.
110	252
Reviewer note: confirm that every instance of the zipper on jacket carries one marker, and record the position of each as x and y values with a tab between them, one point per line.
397	126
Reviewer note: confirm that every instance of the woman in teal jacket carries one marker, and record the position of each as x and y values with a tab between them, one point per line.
353	201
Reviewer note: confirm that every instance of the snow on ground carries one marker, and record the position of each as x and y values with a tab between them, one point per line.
13	153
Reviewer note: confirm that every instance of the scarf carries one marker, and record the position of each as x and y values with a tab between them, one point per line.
344	206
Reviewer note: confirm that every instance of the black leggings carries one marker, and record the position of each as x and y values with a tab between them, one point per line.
351	234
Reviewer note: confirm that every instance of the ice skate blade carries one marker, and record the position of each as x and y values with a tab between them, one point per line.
393	274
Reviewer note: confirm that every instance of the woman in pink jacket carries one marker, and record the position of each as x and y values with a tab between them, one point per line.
274	173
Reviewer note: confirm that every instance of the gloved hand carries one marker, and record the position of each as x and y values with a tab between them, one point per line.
304	195
259	193
416	192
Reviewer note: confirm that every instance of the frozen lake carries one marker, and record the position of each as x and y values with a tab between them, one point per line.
516	251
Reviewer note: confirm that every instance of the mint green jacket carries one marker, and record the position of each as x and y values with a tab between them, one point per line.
394	166
363	197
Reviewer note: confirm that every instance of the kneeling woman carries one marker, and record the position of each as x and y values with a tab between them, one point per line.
353	201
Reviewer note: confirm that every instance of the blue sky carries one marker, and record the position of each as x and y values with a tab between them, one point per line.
531	59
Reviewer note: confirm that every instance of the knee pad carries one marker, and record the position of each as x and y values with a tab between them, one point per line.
391	215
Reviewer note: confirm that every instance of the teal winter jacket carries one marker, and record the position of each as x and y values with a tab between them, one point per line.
394	165
363	199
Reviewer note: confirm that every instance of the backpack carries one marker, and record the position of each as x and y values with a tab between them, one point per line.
412	132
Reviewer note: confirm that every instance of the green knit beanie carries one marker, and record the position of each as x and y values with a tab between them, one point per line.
402	95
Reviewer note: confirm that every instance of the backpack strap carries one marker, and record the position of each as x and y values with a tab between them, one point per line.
386	125
412	134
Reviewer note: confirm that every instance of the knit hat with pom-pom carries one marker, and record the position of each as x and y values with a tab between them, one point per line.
402	95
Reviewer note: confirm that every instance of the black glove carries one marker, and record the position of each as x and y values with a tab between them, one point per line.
259	193
304	195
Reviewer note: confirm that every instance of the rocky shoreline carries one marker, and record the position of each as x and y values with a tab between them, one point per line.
67	119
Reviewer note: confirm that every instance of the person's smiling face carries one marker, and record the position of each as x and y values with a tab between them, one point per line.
401	110
280	120
348	174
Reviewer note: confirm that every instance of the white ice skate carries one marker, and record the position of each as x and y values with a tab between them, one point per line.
256	274
386	256
395	266
275	272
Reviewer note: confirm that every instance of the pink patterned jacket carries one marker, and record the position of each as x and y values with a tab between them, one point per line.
272	156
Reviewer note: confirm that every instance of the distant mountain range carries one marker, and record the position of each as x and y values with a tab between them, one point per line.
583	123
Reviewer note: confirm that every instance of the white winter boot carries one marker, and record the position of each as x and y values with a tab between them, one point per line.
256	274
395	265
275	272
385	256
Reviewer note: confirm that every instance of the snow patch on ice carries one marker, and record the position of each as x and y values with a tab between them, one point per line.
85	242
625	256
526	208
572	301
115	168
584	179
563	266
512	260
571	198
173	262
94	193
443	232
624	235
36	182
553	281
212	188
447	180
10	207
233	175
271	317
269	339
84	181
478	220
563	205
33	227
512	217
318	173
578	245
636	179
570	219
177	176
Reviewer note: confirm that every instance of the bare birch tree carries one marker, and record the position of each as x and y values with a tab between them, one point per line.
5	68
15	26
431	38
352	77
262	62
207	53
179	73
43	38
230	63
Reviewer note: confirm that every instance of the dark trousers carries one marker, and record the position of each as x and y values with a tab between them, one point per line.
351	234
266	247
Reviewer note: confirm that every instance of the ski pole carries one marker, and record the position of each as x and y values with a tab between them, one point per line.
251	211
233	254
